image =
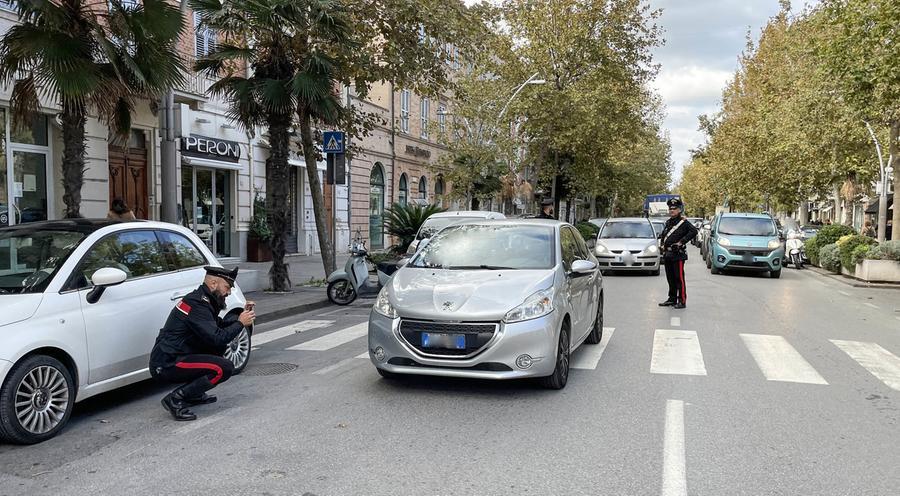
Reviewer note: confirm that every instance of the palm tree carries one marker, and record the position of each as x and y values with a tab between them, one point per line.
88	58
287	75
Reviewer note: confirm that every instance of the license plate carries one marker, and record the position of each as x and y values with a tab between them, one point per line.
748	258
618	259
446	341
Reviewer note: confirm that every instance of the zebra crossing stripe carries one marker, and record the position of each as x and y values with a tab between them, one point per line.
588	356
283	332
779	361
676	352
878	361
334	339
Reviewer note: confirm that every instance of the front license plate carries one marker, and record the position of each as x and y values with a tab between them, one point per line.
446	341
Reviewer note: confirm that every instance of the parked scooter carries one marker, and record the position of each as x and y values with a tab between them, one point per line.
793	250
346	285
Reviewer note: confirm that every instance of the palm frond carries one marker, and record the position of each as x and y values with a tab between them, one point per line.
24	101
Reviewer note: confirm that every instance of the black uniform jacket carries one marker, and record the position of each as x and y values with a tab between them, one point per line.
683	234
193	327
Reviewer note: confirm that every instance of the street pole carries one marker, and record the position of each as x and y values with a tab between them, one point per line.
882	197
168	160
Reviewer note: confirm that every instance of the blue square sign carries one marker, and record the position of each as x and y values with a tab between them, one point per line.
333	142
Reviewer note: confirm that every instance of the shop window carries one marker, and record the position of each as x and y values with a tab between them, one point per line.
423	189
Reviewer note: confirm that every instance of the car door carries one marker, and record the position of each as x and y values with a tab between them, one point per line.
575	286
122	325
589	295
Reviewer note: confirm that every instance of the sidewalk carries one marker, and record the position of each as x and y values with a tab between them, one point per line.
253	277
851	281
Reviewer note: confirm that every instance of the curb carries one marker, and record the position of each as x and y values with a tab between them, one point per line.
856	283
290	311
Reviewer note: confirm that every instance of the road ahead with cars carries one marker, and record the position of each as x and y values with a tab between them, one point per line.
761	386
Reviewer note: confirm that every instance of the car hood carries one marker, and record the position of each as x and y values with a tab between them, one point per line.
619	244
17	308
748	241
436	294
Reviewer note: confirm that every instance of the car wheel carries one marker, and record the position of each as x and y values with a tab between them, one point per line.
238	350
36	400
714	270
560	375
775	274
386	374
708	262
654	272
341	292
597	331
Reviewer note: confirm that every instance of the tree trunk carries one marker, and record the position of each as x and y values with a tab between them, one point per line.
278	189
326	246
73	122
803	213
894	160
612	205
836	195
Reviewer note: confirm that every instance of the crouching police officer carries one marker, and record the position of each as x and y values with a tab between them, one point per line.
189	347
674	238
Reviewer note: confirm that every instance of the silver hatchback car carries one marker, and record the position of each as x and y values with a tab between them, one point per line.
490	299
628	244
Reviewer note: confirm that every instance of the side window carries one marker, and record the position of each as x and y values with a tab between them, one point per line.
569	248
583	252
137	253
178	251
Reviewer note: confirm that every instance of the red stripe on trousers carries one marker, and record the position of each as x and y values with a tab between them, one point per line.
202	365
683	286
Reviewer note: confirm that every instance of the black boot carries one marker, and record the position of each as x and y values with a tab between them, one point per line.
206	399
175	404
680	305
667	303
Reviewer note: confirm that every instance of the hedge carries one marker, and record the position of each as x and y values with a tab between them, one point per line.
889	250
826	236
847	246
830	258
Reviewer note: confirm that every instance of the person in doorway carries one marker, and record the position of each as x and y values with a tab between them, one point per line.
546	209
119	210
869	230
188	348
674	238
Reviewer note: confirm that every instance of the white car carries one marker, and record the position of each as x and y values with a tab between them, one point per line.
438	221
83	301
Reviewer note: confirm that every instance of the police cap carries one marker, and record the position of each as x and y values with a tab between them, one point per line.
228	275
675	203
546	202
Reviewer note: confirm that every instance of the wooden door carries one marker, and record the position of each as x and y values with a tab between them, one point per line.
128	174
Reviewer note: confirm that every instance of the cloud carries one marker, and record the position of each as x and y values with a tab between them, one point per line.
691	85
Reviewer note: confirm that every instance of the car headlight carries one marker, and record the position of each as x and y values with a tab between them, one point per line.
383	305
652	249
536	305
600	249
724	242
774	244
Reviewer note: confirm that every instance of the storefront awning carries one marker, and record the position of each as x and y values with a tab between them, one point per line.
872	208
322	165
204	162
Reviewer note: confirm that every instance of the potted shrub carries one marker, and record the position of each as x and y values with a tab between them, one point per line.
880	263
258	238
850	245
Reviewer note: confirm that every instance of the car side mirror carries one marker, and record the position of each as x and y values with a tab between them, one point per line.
583	267
104	278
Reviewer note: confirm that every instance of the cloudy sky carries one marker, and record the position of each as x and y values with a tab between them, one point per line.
703	41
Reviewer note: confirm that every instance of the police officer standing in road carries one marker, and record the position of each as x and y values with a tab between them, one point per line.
546	209
189	347
673	241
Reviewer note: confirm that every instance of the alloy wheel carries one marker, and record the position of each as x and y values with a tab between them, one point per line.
42	398
238	351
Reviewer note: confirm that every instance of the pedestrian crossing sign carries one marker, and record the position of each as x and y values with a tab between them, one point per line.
333	142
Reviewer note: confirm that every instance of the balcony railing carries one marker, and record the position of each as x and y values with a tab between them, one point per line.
195	84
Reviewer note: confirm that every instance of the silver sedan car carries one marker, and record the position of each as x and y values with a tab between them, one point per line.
628	244
490	299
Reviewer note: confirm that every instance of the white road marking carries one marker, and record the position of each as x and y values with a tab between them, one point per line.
283	332
844	293
674	476
676	352
204	421
334	339
345	309
333	367
871	305
588	355
675	321
779	361
878	361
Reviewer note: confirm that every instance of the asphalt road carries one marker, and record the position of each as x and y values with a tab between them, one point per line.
759	387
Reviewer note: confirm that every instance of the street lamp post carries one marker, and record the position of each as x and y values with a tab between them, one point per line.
532	80
885	169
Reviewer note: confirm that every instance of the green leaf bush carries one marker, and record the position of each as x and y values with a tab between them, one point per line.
830	258
889	250
259	224
847	246
826	236
404	221
588	231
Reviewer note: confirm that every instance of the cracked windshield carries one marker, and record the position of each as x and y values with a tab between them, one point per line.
450	247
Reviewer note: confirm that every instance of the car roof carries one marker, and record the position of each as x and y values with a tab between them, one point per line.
628	219
747	215
84	226
481	214
514	222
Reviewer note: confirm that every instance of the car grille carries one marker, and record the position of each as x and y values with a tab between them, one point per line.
759	252
489	366
619	252
478	335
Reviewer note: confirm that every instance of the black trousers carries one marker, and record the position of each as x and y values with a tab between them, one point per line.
197	374
675	276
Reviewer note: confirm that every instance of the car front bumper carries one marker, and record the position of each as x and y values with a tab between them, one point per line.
536	338
724	258
629	262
